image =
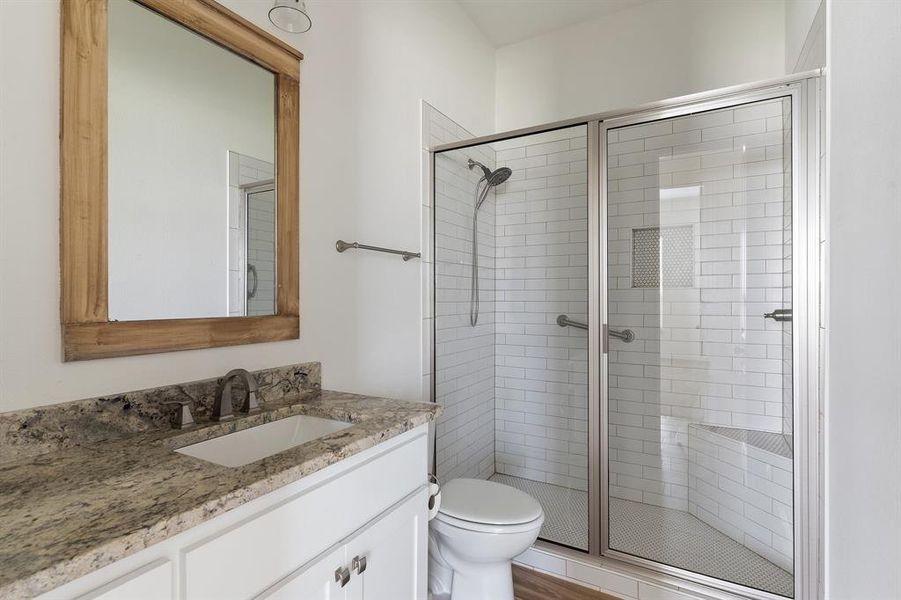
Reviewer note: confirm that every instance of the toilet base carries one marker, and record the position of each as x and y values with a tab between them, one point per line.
484	580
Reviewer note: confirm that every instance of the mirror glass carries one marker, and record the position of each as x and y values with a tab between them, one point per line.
191	155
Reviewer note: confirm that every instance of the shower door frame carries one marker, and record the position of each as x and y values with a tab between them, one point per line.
805	288
247	189
807	229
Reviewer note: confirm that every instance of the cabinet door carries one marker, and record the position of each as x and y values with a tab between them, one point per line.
313	581
388	557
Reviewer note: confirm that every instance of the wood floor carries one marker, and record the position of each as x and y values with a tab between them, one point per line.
532	585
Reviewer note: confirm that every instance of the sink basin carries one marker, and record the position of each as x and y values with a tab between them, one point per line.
249	445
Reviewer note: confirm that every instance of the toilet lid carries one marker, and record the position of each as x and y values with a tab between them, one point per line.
481	501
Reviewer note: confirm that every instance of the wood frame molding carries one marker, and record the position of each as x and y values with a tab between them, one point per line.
84	303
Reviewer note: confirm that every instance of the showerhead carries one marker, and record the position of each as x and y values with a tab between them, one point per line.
500	176
493	178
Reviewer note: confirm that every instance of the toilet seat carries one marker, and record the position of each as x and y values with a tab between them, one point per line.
448	520
486	506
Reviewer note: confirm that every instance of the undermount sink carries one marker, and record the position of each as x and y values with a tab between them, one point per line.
248	445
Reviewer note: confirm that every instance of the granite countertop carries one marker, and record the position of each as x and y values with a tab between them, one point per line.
68	512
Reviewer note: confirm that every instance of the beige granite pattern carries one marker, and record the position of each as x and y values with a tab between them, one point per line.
35	431
68	512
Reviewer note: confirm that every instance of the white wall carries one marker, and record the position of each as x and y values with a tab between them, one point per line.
799	19
863	412
651	52
168	194
367	65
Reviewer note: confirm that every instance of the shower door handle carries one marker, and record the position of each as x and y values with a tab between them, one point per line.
252	270
780	314
626	335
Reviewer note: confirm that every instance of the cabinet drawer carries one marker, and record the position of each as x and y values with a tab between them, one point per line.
247	558
150	582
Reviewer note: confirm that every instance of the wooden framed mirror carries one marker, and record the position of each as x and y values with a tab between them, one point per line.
179	128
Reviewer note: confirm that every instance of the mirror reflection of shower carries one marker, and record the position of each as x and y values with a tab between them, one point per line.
490	179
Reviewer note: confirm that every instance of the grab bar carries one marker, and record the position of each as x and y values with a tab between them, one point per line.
341	246
564	321
626	335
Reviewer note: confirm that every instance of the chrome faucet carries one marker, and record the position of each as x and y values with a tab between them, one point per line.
222	406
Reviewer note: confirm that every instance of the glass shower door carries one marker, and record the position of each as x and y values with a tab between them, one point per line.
699	367
511	301
260	250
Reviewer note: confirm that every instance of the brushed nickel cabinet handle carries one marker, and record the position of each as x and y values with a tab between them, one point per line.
358	564
342	575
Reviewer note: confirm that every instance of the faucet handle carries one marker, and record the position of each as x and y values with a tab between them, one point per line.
183	418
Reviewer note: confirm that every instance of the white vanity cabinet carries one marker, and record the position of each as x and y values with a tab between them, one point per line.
356	530
379	562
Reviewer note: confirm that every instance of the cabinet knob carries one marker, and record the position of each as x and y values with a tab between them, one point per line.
342	575
358	564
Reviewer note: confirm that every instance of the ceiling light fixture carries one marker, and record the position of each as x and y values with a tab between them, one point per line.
290	16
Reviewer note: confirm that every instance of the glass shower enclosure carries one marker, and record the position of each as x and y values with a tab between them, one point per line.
514	383
641	359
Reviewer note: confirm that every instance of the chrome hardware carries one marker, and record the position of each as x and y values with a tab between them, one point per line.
222	406
626	335
564	321
433	479
780	314
183	418
252	270
358	564
342	575
341	246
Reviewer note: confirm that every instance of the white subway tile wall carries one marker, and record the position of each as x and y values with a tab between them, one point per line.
464	357
542	272
703	354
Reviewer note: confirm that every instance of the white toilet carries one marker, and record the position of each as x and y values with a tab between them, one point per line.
480	527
